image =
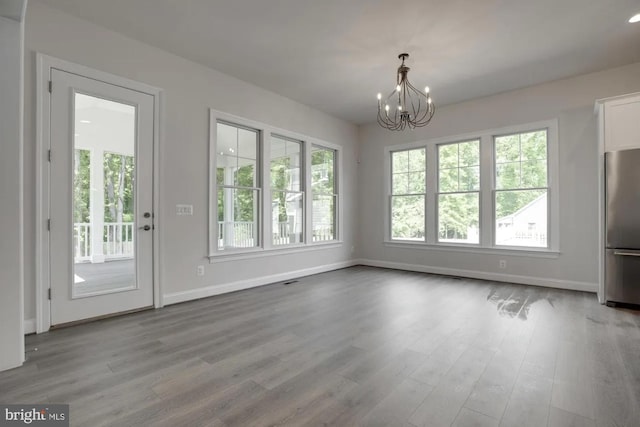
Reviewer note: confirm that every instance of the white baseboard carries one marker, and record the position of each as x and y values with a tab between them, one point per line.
29	326
177	297
483	275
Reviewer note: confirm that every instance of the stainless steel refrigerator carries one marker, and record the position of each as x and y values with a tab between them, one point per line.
622	260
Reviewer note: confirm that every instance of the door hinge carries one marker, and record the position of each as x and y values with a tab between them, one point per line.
49	225
50	86
49	293
49	156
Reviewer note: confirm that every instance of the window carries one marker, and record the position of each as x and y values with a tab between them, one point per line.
408	187
287	197
271	190
521	189
323	193
493	189
459	192
238	186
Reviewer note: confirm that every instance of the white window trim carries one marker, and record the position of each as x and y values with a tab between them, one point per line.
487	178
337	175
438	192
391	195
264	215
302	191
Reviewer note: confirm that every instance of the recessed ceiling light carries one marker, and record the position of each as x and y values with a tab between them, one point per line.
232	150
85	121
635	18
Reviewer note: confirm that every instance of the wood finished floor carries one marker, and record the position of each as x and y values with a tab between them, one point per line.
359	346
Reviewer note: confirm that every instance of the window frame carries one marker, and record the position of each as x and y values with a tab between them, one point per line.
258	188
486	192
495	190
335	194
264	215
439	193
391	194
301	191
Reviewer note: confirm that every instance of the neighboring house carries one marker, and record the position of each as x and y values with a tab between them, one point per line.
527	226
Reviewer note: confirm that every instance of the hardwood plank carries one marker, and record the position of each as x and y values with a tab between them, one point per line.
560	418
395	409
355	347
469	418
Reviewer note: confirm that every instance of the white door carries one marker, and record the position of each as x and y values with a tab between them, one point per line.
101	198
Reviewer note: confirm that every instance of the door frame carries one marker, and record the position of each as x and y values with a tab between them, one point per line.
44	65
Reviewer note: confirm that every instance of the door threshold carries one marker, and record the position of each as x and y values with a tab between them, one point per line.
97	318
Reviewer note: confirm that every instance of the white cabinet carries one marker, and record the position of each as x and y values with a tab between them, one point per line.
620	119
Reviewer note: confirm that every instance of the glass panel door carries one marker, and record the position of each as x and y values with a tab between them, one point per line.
104	138
100	198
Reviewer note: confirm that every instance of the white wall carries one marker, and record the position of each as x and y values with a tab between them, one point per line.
189	91
11	298
571	101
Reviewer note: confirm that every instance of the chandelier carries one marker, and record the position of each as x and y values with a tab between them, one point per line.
406	106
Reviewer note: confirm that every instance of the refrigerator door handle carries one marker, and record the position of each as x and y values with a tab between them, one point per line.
625	253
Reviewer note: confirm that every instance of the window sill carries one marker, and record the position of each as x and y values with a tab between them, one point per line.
475	249
260	252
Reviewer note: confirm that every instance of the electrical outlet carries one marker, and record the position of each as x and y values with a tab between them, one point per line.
502	264
200	270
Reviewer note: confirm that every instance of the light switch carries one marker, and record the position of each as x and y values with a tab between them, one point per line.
184	209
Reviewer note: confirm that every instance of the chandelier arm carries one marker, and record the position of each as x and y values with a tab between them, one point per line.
417	116
428	110
431	111
417	111
386	122
424	118
425	113
393	92
418	91
382	120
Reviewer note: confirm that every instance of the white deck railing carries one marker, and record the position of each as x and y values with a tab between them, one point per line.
237	234
118	241
118	237
281	234
510	236
323	232
244	234
82	241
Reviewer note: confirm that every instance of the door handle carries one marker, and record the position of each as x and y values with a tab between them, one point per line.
626	253
145	228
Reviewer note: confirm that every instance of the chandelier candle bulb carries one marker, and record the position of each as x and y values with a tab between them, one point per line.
411	111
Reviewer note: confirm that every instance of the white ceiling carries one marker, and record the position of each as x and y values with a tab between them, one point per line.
336	55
